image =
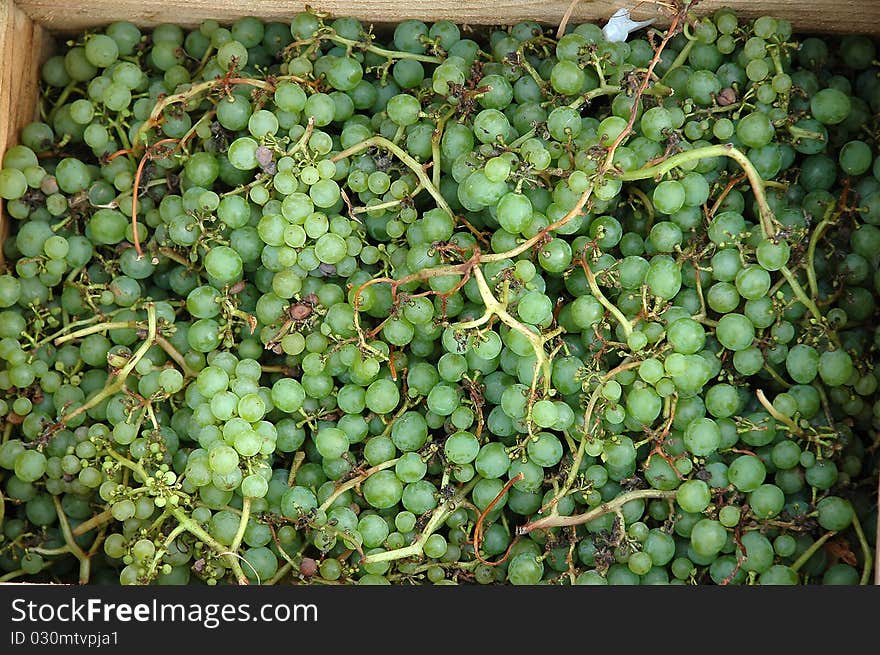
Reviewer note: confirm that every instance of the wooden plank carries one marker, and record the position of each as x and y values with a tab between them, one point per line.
818	16
22	50
23	47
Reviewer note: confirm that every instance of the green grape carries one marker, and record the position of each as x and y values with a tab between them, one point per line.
746	473
383	490
735	331
13	183
830	106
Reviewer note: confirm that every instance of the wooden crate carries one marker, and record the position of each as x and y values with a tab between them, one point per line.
29	30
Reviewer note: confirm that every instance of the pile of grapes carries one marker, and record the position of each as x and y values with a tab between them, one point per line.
301	303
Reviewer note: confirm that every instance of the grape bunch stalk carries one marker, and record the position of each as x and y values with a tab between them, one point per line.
313	303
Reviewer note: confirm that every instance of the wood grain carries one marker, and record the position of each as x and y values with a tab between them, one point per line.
841	16
23	47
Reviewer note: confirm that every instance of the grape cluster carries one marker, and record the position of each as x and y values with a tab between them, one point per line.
304	303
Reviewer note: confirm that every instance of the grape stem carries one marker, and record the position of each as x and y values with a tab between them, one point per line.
809	552
673	29
625	323
242	524
197	531
157	557
75	324
405	158
123	137
527	66
206	117
801	133
721	150
281	549
866	550
440	514
260	179
736	179
330	35
94	329
648	205
614	505
12	575
119	378
877	560
51	552
96	521
500	310
775	375
475	323
149	154
703	316
436	139
540	236
458	566
127	463
560	31
174	354
355	481
579	454
830	217
303	140
775	413
681	57
177	257
62	98
75	550
389	203
603	90
464	269
477	539
801	294
298	460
